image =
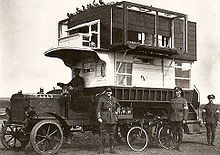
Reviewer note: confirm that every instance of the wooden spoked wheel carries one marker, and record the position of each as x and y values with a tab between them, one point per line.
13	137
46	137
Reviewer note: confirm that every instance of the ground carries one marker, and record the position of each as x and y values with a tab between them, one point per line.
87	144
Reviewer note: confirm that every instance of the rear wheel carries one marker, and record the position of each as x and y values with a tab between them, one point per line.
137	138
13	137
46	137
167	137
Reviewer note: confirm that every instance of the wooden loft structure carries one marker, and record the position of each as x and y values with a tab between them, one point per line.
124	23
156	46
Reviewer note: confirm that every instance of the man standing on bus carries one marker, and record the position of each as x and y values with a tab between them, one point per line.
106	115
178	114
210	116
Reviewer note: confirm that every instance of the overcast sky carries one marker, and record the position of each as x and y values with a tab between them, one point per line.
29	27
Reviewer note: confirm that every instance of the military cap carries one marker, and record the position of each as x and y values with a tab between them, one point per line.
108	89
178	89
76	68
211	96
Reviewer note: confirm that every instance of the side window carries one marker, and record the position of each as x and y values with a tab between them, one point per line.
163	41
123	73
100	69
183	74
90	33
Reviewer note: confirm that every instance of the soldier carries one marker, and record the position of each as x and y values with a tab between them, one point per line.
77	84
178	114
75	88
106	115
210	116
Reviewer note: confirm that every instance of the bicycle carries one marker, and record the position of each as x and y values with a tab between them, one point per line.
168	136
137	137
157	131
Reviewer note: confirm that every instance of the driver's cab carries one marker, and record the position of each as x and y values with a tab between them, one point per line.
96	68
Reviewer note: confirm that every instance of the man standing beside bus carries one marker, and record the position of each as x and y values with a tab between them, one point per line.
106	115
210	116
178	114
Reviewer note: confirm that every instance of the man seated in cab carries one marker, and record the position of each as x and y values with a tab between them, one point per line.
75	87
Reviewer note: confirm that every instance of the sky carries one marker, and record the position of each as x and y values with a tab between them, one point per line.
29	27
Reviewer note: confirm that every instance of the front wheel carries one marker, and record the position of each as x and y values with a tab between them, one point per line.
167	137
46	137
137	138
13	137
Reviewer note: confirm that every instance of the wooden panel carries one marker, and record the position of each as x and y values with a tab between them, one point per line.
164	26
146	95
126	94
137	21
139	94
191	55
102	13
147	75
117	35
192	39
90	15
178	34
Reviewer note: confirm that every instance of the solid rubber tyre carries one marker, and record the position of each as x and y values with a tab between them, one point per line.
46	137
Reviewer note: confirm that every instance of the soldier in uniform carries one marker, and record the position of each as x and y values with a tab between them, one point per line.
106	115
178	114
210	116
75	88
77	84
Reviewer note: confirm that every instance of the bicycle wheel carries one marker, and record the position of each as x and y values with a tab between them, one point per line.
167	137
137	138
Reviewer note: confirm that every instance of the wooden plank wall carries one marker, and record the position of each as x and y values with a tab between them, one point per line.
141	22
178	38
137	21
102	13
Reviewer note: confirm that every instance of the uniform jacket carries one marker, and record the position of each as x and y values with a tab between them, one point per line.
106	109
178	109
77	85
210	113
77	81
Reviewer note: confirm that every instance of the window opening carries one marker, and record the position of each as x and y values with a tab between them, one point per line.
100	69
140	37
148	39
90	33
124	75
163	41
183	74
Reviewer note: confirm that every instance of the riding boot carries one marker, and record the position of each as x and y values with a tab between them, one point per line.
208	139
112	142
212	141
102	146
213	138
